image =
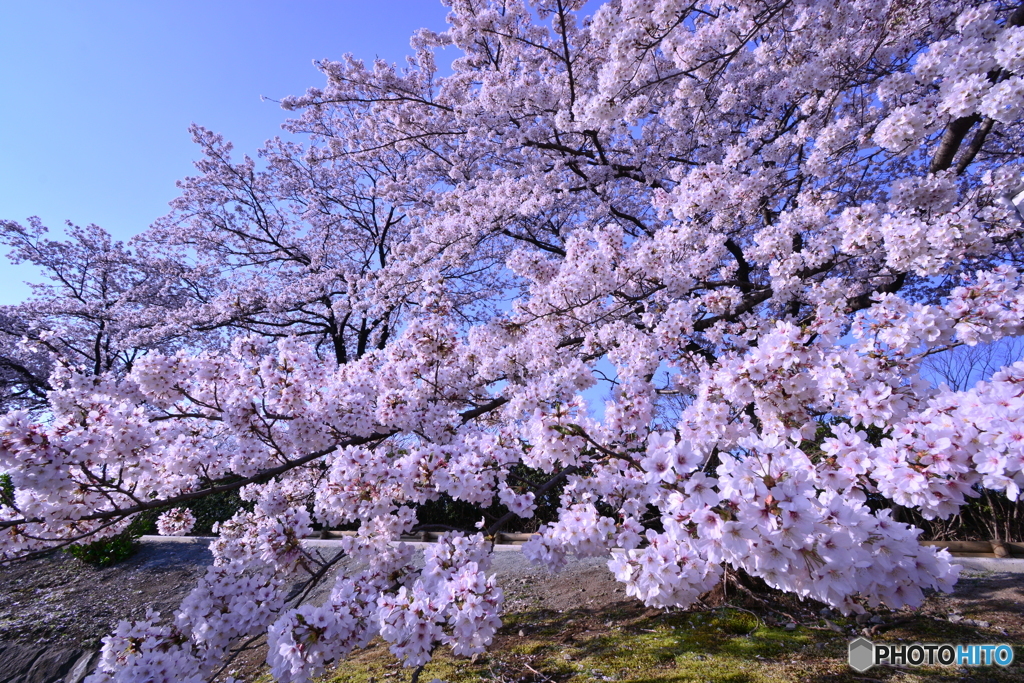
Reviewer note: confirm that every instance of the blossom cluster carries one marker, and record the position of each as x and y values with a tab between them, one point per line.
176	522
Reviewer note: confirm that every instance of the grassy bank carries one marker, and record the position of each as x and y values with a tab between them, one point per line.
626	643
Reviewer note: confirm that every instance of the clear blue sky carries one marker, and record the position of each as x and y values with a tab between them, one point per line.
96	96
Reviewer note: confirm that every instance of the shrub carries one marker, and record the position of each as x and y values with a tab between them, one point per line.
109	551
218	507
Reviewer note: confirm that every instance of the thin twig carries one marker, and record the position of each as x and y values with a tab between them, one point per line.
302	590
536	672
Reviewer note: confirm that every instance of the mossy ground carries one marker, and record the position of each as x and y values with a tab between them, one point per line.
627	643
575	629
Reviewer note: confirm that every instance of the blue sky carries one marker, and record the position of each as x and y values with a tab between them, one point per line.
96	97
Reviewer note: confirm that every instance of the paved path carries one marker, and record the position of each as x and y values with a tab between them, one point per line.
1011	565
1001	565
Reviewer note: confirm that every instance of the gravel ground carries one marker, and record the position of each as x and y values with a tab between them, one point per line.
54	610
58	600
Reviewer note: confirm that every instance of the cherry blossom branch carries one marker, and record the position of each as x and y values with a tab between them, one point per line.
539	491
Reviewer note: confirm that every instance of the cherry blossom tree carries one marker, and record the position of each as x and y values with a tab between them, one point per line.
24	372
102	305
286	251
766	214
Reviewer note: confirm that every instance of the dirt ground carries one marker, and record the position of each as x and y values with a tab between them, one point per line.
581	613
58	600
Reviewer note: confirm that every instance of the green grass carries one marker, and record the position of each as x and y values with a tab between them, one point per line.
641	647
631	644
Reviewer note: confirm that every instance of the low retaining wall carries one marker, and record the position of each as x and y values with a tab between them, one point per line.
431	536
979	548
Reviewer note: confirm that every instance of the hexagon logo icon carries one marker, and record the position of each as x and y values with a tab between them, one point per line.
862	654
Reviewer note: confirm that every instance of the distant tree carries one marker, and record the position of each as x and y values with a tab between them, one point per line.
991	516
98	309
24	370
290	250
961	367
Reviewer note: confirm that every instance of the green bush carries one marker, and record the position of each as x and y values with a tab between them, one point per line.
101	553
108	551
445	511
6	490
218	507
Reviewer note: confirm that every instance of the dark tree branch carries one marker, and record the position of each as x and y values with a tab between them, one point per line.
539	491
976	144
951	140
